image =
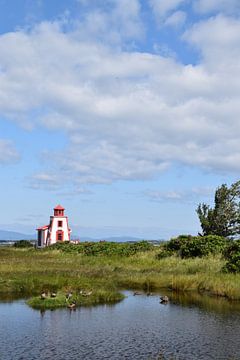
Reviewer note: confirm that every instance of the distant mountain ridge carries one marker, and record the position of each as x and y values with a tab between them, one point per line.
113	238
13	235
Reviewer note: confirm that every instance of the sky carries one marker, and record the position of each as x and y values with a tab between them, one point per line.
126	112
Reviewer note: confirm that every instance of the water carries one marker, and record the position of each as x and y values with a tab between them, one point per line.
137	328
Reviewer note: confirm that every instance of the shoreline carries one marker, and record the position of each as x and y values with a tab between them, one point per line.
26	273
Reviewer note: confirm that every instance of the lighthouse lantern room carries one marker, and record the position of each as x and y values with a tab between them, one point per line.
57	230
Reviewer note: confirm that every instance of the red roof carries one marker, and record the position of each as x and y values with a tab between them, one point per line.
59	207
43	227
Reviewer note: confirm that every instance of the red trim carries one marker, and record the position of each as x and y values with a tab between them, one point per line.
59	207
43	227
59	210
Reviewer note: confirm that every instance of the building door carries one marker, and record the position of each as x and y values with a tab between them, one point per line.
39	238
60	235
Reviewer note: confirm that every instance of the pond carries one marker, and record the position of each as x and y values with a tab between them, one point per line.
139	327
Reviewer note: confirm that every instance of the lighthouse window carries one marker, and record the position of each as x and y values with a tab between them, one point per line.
59	223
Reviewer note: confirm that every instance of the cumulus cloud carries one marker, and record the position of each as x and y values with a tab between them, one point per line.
119	24
127	114
211	6
187	196
8	153
176	19
218	39
46	180
162	8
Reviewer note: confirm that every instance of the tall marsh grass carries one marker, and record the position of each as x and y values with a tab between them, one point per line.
28	272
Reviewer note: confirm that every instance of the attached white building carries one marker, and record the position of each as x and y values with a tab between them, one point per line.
57	230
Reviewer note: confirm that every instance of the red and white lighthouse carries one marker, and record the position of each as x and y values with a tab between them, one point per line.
57	230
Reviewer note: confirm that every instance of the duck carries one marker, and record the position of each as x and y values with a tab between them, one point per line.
72	305
53	295
136	293
164	299
43	295
68	295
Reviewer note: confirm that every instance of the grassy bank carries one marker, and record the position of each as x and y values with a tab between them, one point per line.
28	272
81	298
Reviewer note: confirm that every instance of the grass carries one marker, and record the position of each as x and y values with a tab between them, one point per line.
95	298
27	272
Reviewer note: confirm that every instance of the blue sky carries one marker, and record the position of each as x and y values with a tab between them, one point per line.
124	111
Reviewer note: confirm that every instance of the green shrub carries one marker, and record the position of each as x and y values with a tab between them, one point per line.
23	244
203	246
232	255
103	248
188	246
164	253
175	244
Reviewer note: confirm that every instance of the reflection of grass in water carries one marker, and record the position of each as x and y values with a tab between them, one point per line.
206	302
28	272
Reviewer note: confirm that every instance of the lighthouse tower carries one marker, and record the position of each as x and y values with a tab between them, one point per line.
57	230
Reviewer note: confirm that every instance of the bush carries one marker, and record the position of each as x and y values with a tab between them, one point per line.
103	248
203	245
164	253
232	255
188	246
23	244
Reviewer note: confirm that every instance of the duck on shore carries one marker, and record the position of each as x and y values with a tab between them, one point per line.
43	295
72	305
68	295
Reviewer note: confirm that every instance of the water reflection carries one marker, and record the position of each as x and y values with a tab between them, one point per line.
137	328
219	305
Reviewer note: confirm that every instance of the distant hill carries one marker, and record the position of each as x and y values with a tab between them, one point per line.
12	235
113	238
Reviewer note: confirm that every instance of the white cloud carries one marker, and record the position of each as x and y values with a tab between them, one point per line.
177	19
218	38
120	23
162	8
127	115
210	6
193	195
8	153
47	181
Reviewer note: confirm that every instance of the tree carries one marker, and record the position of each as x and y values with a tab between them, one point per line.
224	218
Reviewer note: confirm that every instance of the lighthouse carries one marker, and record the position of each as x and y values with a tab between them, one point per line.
57	230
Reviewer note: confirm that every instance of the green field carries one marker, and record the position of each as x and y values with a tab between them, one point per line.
26	273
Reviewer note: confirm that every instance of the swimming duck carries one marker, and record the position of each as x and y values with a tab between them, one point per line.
164	299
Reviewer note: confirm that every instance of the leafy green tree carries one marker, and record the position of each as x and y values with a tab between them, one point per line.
224	218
